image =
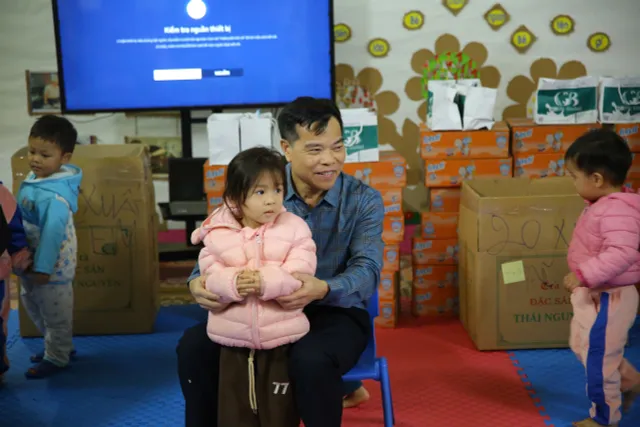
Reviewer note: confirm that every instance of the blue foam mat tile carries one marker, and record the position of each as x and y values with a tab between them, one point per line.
116	381
557	379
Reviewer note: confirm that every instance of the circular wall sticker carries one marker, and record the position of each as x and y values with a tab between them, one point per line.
413	20
378	48
522	39
496	17
341	33
455	6
562	25
599	42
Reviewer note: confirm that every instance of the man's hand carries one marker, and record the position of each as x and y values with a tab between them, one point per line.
571	282
312	290
38	278
203	297
248	283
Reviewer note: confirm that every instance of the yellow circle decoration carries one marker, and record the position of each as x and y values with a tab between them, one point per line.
455	6
497	16
341	33
413	20
522	39
599	42
378	48
562	25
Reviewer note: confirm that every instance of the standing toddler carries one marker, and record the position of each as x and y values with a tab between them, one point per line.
604	260
48	198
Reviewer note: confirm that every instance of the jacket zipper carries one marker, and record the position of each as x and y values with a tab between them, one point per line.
254	299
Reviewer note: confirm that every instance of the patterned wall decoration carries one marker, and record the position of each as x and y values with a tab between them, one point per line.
497	17
599	42
455	6
448	61
413	20
378	47
562	25
522	39
341	33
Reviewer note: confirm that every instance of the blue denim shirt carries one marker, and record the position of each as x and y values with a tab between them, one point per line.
347	228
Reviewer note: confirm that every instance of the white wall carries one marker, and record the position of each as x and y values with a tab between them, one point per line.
27	42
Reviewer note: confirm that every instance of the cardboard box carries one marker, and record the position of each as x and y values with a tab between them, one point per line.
477	144
214	176
444	199
434	251
393	229
530	138
389	172
117	278
428	276
392	200
634	171
214	200
451	173
514	228
391	258
435	290
388	300
538	165
631	133
439	225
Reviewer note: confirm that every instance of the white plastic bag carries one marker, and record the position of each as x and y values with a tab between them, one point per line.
223	133
442	111
478	108
619	100
360	133
256	130
566	101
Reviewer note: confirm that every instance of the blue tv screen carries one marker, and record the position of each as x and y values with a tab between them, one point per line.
126	55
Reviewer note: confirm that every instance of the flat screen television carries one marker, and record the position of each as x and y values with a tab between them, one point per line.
136	55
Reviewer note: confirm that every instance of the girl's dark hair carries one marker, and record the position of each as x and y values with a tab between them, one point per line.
601	151
246	168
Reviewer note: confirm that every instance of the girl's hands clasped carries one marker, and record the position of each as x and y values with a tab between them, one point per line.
248	283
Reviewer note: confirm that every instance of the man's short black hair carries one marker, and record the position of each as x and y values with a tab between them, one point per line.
601	151
57	130
310	113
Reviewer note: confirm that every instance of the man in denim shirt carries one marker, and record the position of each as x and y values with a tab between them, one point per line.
345	217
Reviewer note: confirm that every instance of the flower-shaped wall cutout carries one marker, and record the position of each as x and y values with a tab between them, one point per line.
521	89
363	90
448	61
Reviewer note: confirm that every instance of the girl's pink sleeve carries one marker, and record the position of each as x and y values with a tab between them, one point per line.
621	235
277	281
220	279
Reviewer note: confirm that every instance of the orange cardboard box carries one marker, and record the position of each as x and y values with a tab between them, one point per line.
388	300
391	258
393	229
379	175
434	276
214	176
631	133
392	200
439	225
634	171
388	288
530	138
451	173
434	251
214	199
477	144
444	199
538	165
435	301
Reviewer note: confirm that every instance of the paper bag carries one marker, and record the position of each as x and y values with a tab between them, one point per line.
360	133
223	133
256	130
479	103
566	101
442	111
619	100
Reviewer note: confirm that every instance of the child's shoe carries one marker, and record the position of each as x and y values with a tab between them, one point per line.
43	369
589	422
630	396
37	358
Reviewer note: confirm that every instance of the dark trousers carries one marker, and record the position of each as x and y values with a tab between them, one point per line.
317	362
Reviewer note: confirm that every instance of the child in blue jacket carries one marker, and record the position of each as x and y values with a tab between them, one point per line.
48	198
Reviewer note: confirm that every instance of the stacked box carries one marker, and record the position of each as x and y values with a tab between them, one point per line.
631	133
389	177
451	157
214	176
538	150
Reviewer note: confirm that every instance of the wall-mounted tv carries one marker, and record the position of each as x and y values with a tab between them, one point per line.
136	55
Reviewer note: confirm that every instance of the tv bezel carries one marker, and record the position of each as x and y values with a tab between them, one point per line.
63	101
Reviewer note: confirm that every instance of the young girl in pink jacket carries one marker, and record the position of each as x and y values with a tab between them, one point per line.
604	260
252	248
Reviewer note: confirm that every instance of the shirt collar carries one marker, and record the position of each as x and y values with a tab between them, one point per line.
332	196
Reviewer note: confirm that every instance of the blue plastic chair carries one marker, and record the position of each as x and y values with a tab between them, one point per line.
371	367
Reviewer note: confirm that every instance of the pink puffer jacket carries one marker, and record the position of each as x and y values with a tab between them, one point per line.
275	250
604	250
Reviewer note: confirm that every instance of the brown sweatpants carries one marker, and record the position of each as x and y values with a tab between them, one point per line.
254	389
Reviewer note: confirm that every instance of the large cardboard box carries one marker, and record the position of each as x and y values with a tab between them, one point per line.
117	279
513	240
